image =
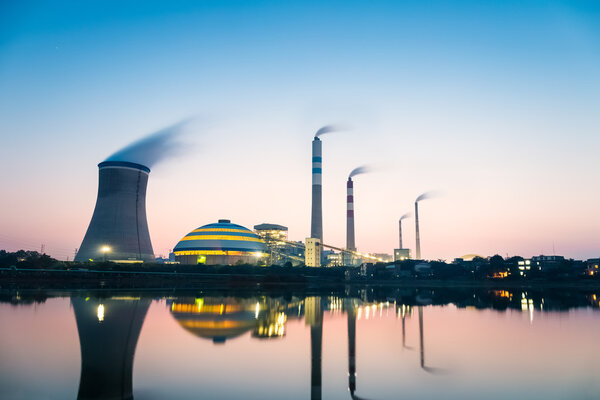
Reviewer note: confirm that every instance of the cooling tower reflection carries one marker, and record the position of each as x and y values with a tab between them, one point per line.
109	328
108	333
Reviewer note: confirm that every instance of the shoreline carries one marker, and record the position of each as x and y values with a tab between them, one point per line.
318	279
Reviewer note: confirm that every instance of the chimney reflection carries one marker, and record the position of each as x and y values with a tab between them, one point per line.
432	370
108	333
314	317
351	313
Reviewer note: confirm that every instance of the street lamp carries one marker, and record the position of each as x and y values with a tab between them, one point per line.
105	249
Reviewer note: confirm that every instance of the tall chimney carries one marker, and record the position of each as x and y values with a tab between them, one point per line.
400	232
119	229
350	243
316	222
417	230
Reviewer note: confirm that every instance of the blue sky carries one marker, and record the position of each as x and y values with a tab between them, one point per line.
495	103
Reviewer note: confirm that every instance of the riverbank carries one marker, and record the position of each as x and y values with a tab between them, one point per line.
125	276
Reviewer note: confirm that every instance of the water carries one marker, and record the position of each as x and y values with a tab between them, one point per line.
228	344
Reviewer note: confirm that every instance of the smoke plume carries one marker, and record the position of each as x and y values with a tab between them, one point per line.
327	129
153	148
363	169
407	215
428	195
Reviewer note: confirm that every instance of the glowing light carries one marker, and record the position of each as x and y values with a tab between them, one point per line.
100	312
105	249
256	311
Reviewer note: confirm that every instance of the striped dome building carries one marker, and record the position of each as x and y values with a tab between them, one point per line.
222	243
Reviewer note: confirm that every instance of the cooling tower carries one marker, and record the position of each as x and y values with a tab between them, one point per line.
119	229
350	243
418	237
316	222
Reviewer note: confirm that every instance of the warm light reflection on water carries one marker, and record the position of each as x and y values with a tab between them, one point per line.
492	344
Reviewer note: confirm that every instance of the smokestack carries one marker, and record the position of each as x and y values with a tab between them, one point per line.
400	233
418	237
119	229
350	243
316	222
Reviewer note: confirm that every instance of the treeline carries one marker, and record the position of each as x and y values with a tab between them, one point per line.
492	268
27	259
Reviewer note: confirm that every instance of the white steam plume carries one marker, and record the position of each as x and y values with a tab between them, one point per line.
363	169
428	195
327	129
407	215
153	148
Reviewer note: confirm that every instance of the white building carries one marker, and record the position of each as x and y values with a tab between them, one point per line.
312	252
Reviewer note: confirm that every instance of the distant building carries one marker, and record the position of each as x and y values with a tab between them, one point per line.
401	254
524	267
335	260
272	233
383	257
592	267
544	263
276	238
312	252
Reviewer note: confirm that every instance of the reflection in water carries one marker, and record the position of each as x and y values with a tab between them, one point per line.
109	328
108	333
222	318
217	319
314	318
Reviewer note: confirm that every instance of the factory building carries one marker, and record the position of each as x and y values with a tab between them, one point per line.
272	234
275	237
221	243
401	254
312	252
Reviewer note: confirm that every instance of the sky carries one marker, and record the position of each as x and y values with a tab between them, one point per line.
494	104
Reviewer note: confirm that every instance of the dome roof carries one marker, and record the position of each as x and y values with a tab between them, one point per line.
222	236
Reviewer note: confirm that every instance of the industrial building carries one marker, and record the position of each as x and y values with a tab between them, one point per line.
312	252
221	243
118	230
280	250
401	254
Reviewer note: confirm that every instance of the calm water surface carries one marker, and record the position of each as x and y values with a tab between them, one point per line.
411	344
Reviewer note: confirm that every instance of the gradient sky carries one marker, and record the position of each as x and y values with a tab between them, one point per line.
493	103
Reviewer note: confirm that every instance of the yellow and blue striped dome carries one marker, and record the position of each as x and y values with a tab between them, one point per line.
222	238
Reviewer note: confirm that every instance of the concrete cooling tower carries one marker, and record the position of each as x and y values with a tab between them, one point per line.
118	230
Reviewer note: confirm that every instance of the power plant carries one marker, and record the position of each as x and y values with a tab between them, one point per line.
118	230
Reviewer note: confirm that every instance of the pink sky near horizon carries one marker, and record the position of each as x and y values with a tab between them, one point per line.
506	202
